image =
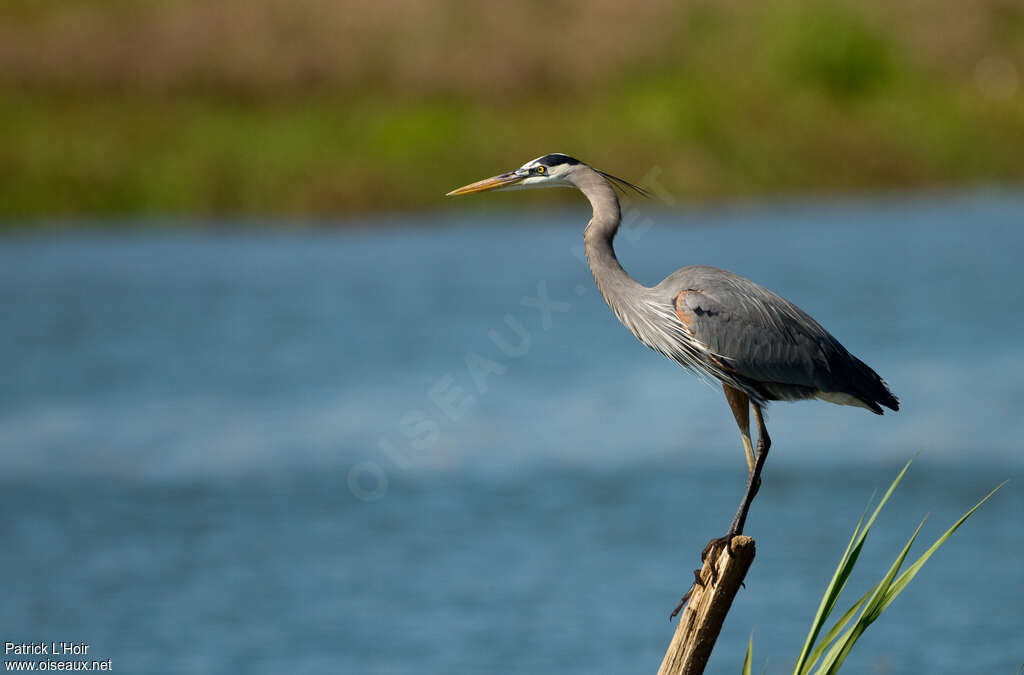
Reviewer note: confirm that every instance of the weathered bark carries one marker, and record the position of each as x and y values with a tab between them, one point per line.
703	616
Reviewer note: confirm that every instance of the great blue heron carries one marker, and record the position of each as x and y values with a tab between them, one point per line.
760	346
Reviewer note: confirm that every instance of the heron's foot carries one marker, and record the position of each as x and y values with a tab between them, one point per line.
714	546
697	581
713	549
679	607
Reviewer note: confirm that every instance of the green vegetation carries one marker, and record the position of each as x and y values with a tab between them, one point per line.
182	107
830	651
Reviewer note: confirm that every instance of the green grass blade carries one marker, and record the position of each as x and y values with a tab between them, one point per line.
746	661
874	606
888	589
905	578
839	579
871	611
824	642
873	603
835	586
834	650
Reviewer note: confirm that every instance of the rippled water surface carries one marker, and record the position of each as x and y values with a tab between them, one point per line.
429	447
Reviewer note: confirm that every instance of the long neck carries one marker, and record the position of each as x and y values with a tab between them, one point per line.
615	285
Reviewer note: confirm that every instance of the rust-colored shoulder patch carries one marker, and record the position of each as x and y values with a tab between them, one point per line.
682	311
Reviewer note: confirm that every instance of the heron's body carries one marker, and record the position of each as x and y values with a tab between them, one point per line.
760	346
723	325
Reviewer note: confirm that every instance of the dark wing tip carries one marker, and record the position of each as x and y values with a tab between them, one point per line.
886	399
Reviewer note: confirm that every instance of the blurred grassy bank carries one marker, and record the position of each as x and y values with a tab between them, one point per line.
310	107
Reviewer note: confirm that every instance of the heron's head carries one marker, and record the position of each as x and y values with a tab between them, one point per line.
554	170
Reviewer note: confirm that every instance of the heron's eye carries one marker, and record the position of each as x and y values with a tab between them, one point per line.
541	169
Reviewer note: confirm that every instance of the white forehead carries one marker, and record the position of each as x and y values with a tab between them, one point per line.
533	162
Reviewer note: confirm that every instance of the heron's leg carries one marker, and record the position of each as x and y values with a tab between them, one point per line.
740	404
764	442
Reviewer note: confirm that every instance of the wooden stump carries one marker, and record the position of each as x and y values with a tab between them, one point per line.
703	616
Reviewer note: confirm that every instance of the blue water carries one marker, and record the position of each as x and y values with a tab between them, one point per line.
368	450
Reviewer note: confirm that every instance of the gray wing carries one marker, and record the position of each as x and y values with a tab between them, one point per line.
767	339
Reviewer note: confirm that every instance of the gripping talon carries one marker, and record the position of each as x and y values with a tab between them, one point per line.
697	581
710	550
679	607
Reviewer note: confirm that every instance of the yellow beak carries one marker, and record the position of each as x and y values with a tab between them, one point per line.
492	183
